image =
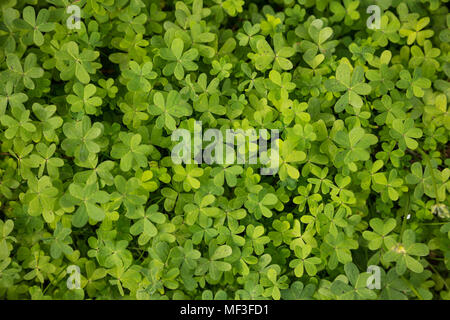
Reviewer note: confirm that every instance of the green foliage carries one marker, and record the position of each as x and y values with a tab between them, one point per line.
87	179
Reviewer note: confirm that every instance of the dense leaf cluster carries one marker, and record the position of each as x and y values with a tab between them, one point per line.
86	177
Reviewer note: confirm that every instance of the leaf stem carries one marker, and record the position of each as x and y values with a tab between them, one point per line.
51	282
439	275
405	216
412	288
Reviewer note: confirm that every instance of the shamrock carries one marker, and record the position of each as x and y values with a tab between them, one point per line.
249	33
40	197
43	159
389	111
425	58
200	209
226	173
94	278
303	262
389	154
97	172
109	87
414	31
128	195
414	85
84	101
351	169
144	226
352	83
200	37
252	289
289	155
71	63
20	126
130	22
8	97
306	197
138	76
266	55
393	287
259	204
295	15
8	182
87	198
35	25
298	291
179	61
5	239
213	265
338	247
49	122
203	231
317	44
401	253
40	265
188	176
320	182
256	238
274	285
381	80
233	7
371	175
60	242
115	254
347	12
221	68
353	285
422	179
167	108
380	232
334	219
390	189
405	133
27	73
356	145
82	138
388	32
130	151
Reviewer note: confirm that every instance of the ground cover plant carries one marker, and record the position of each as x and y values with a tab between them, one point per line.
92	205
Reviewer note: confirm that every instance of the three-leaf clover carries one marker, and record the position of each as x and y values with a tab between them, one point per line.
87	198
131	152
144	226
167	108
304	262
35	25
179	61
352	83
82	138
402	252
380	232
84	100
405	132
